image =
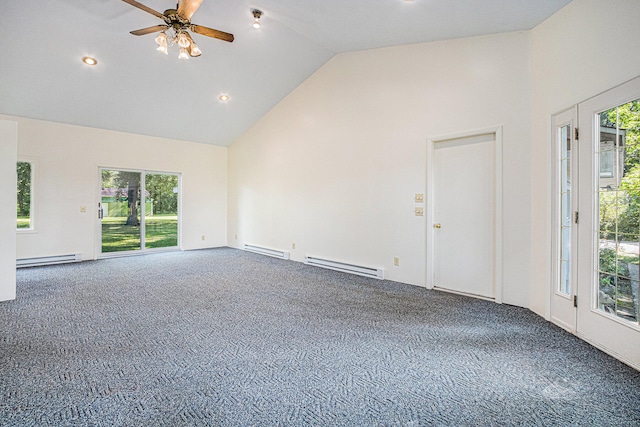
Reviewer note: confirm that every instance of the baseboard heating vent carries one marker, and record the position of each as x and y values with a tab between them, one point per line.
376	273
47	260
266	251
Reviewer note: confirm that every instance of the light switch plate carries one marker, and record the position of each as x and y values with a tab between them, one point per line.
419	198
419	211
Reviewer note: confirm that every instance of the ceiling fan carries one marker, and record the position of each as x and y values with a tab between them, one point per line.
177	22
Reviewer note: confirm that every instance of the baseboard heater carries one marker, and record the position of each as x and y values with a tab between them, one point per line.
376	273
47	260
267	251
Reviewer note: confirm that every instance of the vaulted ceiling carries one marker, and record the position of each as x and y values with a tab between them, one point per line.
136	89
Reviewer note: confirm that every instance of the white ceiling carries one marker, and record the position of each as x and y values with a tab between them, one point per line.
136	89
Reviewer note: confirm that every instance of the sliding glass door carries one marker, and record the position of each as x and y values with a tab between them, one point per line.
161	213
138	210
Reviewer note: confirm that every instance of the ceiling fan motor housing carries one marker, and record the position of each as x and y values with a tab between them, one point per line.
172	18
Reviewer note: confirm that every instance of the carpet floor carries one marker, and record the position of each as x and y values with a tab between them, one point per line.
224	337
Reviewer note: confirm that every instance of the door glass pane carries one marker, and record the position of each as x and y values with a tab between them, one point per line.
120	204
619	210
564	142
161	213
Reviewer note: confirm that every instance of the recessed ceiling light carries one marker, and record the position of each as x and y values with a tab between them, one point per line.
223	98
89	60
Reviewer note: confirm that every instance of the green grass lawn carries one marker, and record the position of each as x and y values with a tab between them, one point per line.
161	232
23	222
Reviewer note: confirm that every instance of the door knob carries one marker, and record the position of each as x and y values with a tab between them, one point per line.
437	226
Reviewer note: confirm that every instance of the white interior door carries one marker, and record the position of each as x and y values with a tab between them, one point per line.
565	204
464	215
609	229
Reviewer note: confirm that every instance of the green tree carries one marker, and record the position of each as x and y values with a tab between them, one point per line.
627	117
160	188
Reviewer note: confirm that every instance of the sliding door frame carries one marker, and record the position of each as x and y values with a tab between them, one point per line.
143	250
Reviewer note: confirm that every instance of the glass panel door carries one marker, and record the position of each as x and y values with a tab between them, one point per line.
161	213
563	312
120	211
609	230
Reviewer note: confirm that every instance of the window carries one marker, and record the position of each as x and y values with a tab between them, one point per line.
564	190
619	204
24	219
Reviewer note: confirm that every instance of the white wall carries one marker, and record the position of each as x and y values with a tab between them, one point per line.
66	160
586	48
334	167
8	157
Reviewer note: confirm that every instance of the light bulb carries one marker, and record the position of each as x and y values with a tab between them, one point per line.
183	53
163	48
183	40
256	23
161	39
195	50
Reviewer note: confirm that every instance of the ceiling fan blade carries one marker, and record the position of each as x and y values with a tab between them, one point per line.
210	32
149	30
186	8
145	8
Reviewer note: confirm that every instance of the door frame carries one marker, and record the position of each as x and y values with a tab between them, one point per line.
429	201
143	251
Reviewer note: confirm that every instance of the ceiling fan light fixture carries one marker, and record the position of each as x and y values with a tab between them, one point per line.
162	43
183	40
176	22
162	39
195	50
256	18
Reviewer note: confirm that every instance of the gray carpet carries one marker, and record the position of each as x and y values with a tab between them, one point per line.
227	338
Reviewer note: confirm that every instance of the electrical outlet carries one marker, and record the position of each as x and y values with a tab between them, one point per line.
202	237
293	246
419	198
419	211
83	208
236	237
396	261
